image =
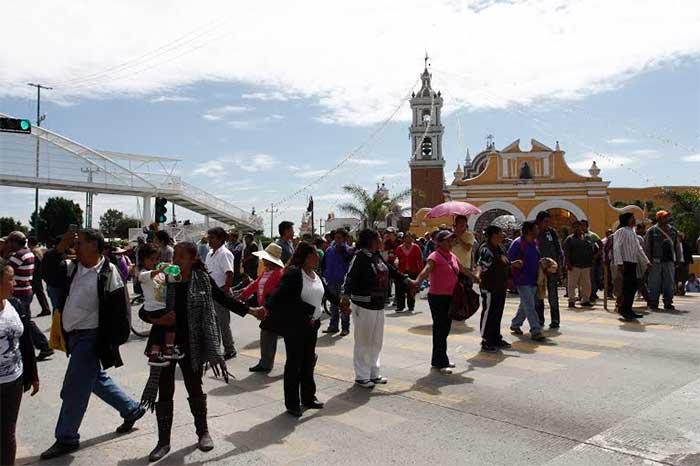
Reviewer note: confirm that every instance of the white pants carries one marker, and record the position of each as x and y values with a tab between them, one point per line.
368	328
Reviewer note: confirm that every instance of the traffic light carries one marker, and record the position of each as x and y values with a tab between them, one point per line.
15	125
161	210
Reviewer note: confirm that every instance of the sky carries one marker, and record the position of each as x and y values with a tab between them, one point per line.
260	103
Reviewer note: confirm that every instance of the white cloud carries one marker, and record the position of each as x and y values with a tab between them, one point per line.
692	158
645	153
255	163
604	162
211	169
310	173
218	113
333	197
269	96
355	78
254	122
228	166
172	98
367	162
620	141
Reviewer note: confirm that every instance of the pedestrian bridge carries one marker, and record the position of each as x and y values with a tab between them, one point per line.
47	160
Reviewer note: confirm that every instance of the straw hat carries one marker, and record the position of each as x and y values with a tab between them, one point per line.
272	253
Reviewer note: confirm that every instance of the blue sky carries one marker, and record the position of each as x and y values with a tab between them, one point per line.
253	124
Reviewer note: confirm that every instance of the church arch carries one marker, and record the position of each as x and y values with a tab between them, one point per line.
558	204
499	206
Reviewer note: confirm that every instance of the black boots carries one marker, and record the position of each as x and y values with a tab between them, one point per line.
164	416
198	406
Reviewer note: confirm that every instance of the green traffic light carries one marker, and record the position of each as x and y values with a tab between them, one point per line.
25	125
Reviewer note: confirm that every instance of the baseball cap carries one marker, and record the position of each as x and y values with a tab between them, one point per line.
662	214
444	234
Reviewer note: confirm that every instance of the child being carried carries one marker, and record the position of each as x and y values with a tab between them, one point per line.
161	347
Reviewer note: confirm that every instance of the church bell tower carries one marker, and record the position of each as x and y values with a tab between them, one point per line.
426	131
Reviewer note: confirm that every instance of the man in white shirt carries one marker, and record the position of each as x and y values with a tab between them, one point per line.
95	322
627	253
220	266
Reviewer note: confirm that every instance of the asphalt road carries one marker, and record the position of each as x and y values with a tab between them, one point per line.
599	392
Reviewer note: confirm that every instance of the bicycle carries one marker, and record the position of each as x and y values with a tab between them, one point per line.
138	326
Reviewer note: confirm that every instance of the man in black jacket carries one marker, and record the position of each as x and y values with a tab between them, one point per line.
95	322
550	246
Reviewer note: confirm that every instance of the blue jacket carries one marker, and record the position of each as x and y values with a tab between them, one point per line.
336	264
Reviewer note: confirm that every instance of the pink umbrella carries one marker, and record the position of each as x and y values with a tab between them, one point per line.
453	208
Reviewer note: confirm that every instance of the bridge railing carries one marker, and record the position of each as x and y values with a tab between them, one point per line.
196	194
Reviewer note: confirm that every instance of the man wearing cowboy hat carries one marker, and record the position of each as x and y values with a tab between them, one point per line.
262	287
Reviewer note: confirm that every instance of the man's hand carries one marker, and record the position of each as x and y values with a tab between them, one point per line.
517	264
621	268
344	305
67	241
35	388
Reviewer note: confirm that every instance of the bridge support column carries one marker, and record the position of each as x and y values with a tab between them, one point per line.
147	216
206	221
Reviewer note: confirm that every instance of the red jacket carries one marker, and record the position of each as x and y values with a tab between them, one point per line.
269	287
410	262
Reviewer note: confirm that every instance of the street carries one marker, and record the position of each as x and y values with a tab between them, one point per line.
598	392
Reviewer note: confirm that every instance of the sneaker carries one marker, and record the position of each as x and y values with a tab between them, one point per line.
538	336
625	318
445	370
44	354
365	383
572	305
259	368
489	349
504	344
399	309
451	365
553	326
586	304
653	307
157	360
379	380
516	331
345	333
669	307
172	353
128	424
331	330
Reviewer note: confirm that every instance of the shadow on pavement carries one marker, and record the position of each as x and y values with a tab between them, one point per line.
458	328
252	383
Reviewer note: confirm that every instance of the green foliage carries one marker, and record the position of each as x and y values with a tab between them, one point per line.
109	221
686	212
122	229
55	217
373	208
9	224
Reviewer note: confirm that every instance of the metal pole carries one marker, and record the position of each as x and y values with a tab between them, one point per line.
272	211
39	119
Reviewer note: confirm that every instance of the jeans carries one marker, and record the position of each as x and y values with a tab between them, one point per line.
55	296
336	315
84	376
527	309
40	341
552	298
442	323
369	339
661	279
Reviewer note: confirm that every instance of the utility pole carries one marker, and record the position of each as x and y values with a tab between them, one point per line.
89	195
39	119
272	212
320	227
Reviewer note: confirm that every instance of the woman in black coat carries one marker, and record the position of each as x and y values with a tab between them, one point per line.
294	311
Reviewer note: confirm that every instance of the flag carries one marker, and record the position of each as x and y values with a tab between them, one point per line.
310	208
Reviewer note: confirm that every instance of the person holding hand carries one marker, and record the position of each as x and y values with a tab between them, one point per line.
294	311
18	370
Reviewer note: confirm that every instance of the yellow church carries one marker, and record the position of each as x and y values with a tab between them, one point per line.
510	181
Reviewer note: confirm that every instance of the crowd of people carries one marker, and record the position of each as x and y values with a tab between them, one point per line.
189	291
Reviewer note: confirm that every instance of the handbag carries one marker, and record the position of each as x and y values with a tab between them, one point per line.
465	301
57	340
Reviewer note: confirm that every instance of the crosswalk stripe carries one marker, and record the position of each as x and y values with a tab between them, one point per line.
516	362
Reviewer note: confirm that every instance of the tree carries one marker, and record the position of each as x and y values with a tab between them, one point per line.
686	212
122	229
109	222
9	224
373	208
56	216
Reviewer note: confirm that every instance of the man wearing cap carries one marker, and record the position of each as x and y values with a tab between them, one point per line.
661	247
21	259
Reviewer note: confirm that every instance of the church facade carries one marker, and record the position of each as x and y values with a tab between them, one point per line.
510	181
